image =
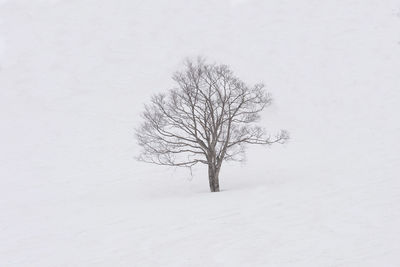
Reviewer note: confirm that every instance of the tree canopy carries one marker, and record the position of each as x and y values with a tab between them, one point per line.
209	117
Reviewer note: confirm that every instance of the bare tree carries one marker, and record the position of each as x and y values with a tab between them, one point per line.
208	118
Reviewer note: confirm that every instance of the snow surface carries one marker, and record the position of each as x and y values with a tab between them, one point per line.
74	75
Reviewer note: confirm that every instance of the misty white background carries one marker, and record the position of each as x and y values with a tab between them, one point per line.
74	76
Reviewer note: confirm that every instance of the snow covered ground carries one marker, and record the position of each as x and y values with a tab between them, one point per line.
74	75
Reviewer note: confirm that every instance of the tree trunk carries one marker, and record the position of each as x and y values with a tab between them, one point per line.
213	178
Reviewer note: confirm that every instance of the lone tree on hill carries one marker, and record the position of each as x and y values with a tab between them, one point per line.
208	118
